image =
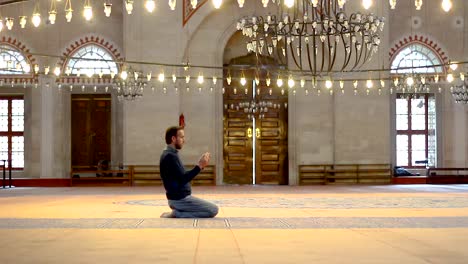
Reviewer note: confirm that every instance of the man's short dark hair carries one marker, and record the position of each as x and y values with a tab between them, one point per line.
172	132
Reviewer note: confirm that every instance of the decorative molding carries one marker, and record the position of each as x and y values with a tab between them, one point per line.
19	78
78	44
84	80
432	45
188	11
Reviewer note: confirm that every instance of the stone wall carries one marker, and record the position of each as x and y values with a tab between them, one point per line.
338	128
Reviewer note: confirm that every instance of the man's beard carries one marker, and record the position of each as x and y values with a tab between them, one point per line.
178	146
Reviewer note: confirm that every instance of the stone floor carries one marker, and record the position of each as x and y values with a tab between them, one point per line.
256	224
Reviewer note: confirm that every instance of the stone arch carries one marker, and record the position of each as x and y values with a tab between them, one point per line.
419	39
18	45
206	15
78	44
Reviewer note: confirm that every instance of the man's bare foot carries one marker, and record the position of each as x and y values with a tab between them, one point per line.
167	215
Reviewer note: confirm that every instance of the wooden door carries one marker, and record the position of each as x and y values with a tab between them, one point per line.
269	132
237	143
91	130
271	148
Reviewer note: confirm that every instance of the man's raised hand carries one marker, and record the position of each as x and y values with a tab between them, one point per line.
204	160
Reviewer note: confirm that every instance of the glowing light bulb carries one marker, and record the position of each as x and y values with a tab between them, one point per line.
200	79
57	71
341	3
9	23
291	82
418	4
243	81
88	12
52	17
107	9
410	81
161	77
217	3
289	3
279	82
328	84
453	66
150	5
366	4
36	19
449	77
446	5
129	6
392	4
124	75
369	84
69	14
22	21
172	4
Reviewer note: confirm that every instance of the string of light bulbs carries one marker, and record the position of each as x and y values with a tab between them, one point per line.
149	5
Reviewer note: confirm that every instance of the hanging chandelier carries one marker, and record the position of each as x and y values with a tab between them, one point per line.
460	94
254	108
316	34
411	83
130	85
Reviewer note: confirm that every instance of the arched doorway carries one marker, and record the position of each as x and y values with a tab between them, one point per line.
255	141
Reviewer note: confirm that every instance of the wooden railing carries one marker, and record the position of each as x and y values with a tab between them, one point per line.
138	175
345	174
447	175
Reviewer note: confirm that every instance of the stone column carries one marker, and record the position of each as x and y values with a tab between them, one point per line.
46	138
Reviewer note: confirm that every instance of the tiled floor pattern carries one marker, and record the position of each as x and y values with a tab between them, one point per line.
256	224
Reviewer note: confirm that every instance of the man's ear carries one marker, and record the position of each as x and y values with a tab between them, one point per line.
174	139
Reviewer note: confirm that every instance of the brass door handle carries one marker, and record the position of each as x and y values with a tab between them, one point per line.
257	132
249	132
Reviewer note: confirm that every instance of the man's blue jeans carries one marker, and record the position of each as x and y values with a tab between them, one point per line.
193	207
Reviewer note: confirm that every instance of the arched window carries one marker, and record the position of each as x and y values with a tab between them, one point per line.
416	55
416	113
92	59
12	61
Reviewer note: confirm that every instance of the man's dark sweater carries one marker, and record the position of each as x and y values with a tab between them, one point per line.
176	180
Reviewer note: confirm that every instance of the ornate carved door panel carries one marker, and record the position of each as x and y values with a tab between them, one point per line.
91	130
